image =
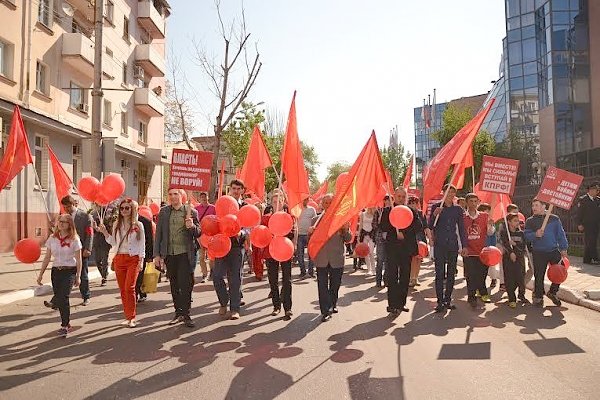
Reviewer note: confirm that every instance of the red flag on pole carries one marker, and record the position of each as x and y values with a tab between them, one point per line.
322	191
496	200
17	154
408	176
453	152
63	183
365	179
459	178
257	159
221	178
292	162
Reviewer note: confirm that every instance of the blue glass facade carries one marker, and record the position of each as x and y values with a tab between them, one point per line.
425	146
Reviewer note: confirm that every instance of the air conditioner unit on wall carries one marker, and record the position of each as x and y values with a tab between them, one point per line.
138	72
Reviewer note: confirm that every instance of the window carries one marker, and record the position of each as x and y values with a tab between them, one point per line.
107	113
126	29
76	27
108	10
78	99
143	133
40	77
41	159
45	12
124	124
77	164
109	52
6	59
124	77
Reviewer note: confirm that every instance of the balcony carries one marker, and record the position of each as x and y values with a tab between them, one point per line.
151	20
78	52
148	102
150	60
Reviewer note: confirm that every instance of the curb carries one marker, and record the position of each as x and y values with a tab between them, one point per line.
35	291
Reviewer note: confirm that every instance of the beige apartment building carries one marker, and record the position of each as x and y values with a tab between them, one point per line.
47	68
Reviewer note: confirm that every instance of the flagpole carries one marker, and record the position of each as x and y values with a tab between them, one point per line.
473	176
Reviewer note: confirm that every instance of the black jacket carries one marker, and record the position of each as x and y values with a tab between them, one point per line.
149	236
588	211
409	244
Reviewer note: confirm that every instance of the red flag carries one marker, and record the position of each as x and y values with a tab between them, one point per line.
193	200
365	179
459	178
292	162
17	154
221	178
452	153
322	191
62	181
497	201
257	159
408	176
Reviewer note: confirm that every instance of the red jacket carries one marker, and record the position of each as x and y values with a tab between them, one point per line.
476	230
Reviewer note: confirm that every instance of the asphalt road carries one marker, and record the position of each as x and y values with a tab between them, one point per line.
362	353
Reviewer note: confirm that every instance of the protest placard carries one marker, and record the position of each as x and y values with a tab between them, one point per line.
190	169
498	175
559	188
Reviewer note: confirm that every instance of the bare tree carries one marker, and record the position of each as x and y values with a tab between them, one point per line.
179	117
275	122
222	75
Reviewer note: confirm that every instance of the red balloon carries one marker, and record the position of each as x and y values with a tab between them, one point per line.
251	200
362	250
423	249
280	223
101	199
88	188
341	181
144	211
153	228
281	248
226	205
565	261
230	225
249	216
490	256
260	236
401	217
521	217
557	273
205	240
113	186
210	225
219	246
155	208
27	251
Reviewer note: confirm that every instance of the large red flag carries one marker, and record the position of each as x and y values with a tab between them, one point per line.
257	159
364	181
322	191
452	153
292	162
408	176
459	178
63	183
497	201
17	154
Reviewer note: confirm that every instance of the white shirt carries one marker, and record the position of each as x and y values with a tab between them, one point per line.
131	245
366	221
64	255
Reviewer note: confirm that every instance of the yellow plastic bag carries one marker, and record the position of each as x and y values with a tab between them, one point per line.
150	281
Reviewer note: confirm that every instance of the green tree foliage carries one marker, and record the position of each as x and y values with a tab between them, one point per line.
396	160
333	171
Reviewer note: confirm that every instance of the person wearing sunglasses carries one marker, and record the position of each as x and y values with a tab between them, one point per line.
65	247
128	241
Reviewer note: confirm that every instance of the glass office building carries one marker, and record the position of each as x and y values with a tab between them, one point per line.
425	146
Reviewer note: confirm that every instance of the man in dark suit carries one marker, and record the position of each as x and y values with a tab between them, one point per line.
588	222
83	226
175	247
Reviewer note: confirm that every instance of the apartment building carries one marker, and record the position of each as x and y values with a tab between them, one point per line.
47	68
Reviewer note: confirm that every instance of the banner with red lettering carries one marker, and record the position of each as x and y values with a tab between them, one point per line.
190	170
498	175
559	188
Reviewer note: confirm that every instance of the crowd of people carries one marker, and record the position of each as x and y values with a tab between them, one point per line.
452	227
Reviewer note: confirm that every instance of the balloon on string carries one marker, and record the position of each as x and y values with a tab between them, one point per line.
226	205
362	250
205	240
280	223
281	248
565	261
251	200
490	256
230	225
260	236
557	273
112	187
341	181
401	217
27	251
145	212
102	200
423	249
249	216
88	188
155	208
210	225
219	246
521	217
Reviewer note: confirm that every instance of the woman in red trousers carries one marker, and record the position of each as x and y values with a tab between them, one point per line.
128	241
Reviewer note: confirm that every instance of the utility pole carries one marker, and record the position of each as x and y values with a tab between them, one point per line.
97	94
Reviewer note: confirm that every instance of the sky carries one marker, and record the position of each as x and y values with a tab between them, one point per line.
356	65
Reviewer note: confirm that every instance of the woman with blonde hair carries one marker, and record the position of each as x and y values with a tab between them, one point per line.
65	246
128	241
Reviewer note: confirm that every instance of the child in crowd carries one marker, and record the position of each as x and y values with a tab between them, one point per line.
513	259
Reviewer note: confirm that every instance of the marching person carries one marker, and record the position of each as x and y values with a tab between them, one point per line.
415	264
305	219
149	248
513	259
380	241
205	209
64	245
329	262
175	244
445	235
588	222
367	235
129	241
100	245
400	248
83	225
549	246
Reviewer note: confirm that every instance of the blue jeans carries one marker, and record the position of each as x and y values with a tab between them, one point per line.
380	266
300	246
445	264
328	281
230	266
84	285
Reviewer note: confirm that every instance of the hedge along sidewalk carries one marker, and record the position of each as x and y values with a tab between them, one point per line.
18	280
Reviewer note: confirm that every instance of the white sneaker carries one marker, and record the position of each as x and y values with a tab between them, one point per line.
132	324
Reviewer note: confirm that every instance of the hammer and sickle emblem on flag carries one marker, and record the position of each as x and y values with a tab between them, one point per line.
349	200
